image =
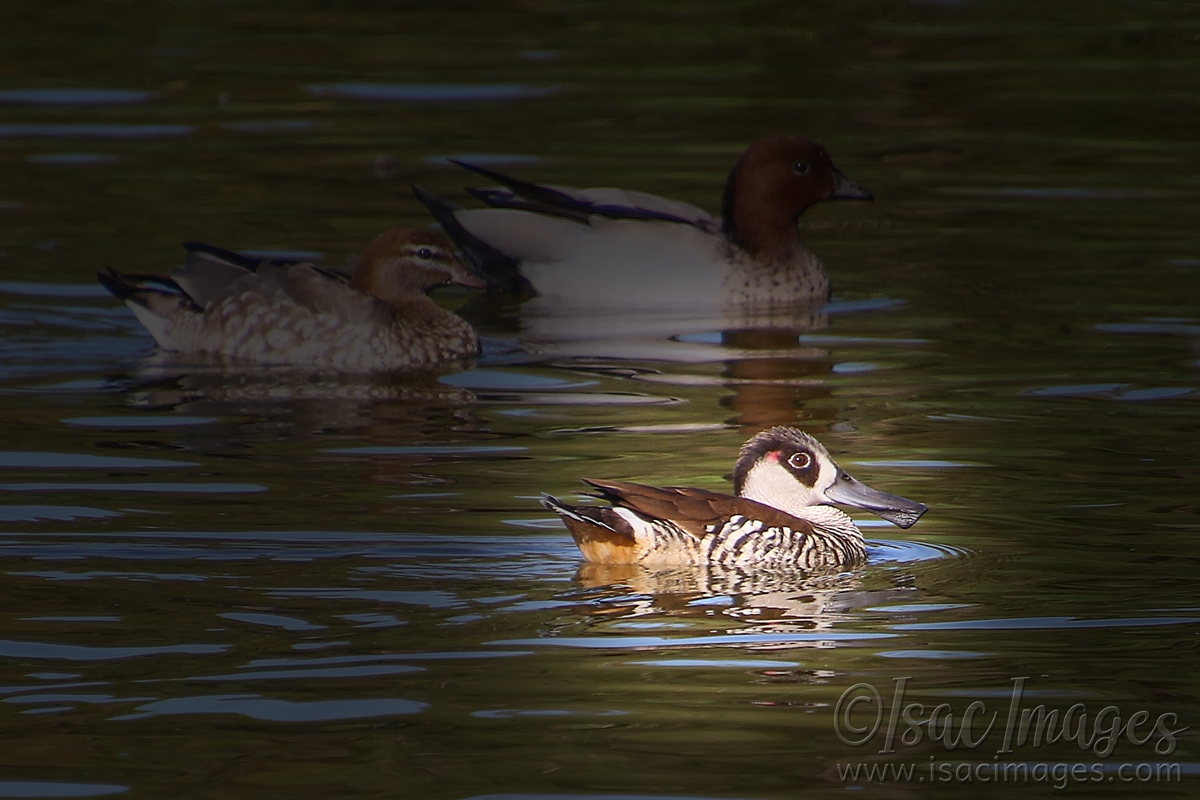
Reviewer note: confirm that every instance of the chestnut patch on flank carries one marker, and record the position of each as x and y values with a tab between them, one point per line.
600	545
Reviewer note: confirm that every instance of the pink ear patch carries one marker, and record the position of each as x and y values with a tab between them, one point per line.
774	456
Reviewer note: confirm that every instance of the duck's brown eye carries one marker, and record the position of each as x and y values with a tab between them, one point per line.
425	253
800	167
799	460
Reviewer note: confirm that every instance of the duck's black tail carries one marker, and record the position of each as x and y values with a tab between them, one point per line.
127	286
500	271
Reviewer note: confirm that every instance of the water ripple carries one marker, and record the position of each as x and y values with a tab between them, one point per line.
75	97
429	599
428	450
73	159
58	789
29	513
430	92
714	664
60	697
638	642
128	422
895	550
51	130
74	652
1039	623
366	671
937	655
165	488
268	710
509	713
31	460
272	621
451	655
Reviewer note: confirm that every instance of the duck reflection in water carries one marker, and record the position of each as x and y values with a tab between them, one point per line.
786	600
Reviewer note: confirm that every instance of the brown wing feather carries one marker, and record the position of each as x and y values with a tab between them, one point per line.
693	510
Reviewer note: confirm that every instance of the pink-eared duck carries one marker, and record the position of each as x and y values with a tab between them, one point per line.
780	515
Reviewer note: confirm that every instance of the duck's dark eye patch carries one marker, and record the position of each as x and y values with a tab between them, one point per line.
800	167
803	467
425	253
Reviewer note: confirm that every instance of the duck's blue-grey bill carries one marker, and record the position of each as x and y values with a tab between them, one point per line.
895	509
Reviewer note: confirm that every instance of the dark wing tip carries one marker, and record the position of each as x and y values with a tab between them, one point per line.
221	254
126	286
487	173
115	283
499	271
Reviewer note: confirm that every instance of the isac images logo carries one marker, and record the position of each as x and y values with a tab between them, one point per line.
1010	735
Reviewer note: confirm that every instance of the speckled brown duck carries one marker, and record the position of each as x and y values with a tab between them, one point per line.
278	312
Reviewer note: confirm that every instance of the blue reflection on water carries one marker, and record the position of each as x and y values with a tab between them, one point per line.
1039	623
28	460
634	642
74	652
59	130
58	789
365	671
73	159
31	513
75	97
268	710
430	92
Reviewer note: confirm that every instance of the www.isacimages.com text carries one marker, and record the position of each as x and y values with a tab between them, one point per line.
1059	775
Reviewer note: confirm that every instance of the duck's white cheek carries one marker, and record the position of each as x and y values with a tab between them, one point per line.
826	477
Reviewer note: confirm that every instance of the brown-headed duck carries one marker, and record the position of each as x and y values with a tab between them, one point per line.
624	249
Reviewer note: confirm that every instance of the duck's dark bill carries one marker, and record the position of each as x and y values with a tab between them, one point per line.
895	509
903	518
847	189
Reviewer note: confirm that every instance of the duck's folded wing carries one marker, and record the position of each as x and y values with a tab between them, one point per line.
629	204
321	291
697	511
579	204
209	270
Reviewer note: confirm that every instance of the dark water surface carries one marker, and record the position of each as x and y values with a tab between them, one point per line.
262	583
